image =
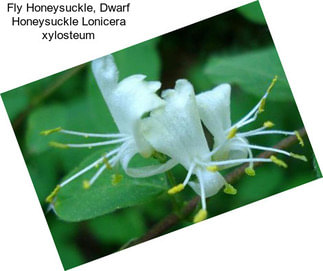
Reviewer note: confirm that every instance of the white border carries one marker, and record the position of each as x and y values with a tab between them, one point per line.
283	232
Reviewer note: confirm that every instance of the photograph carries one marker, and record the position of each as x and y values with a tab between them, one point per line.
161	135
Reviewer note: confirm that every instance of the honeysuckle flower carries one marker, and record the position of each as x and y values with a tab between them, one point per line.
172	125
214	110
127	101
176	131
231	147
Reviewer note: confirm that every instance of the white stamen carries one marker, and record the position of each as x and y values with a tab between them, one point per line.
251	157
114	160
97	174
88	167
245	120
244	144
90	145
189	174
234	161
263	148
248	121
203	199
92	134
243	134
251	133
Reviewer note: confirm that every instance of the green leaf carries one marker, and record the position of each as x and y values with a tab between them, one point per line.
252	72
142	58
74	203
44	118
118	227
43	174
253	13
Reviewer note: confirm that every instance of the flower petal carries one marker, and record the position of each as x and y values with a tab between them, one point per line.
214	109
106	75
128	100
130	151
151	170
212	182
176	129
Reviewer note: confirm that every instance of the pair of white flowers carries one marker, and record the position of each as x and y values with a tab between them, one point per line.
172	125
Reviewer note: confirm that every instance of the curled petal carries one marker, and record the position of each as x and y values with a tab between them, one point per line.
130	151
151	170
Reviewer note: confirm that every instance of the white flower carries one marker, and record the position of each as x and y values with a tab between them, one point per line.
176	131
231	147
214	109
173	127
127	101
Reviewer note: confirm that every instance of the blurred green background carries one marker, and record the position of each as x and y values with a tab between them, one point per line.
234	47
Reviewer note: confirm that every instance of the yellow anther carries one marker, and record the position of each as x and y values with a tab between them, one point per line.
58	145
268	124
50	131
229	189
176	189
213	168
86	184
300	139
116	178
273	82
263	100
262	105
232	132
298	156
278	162
200	216
106	162
52	195
250	171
